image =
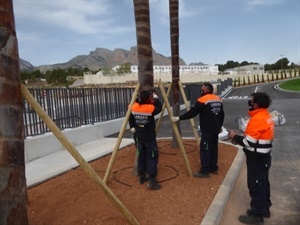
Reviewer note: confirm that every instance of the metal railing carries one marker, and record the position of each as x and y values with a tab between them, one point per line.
74	107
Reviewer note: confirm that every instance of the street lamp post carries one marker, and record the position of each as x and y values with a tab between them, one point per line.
281	62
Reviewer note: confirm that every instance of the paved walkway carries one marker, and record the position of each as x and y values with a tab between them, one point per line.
49	166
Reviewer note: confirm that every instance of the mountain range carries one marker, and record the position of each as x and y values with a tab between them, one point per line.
102	58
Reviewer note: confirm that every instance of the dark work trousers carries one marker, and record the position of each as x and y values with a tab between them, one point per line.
258	183
209	152
147	157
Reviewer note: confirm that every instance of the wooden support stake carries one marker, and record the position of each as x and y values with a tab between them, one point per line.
163	110
76	155
175	128
188	108
121	134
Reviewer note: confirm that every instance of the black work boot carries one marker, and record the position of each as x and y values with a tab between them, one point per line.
153	185
143	179
252	219
201	175
214	170
265	215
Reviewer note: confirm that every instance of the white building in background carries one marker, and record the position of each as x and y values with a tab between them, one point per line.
249	69
182	69
188	74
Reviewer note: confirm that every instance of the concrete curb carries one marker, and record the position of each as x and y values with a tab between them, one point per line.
215	211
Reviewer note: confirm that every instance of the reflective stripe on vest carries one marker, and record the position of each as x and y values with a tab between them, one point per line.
259	150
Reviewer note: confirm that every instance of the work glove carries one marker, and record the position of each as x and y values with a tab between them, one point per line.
231	135
175	119
132	130
154	95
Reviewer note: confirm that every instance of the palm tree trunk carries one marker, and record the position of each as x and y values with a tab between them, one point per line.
13	188
144	46
144	49
174	33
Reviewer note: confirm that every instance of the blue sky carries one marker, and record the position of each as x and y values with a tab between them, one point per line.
211	31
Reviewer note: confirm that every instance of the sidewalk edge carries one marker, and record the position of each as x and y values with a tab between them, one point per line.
215	211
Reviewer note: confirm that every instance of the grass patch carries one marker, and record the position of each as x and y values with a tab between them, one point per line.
291	85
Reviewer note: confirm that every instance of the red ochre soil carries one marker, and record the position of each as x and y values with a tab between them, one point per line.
73	198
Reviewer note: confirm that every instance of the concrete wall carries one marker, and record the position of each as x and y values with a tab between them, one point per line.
185	77
39	146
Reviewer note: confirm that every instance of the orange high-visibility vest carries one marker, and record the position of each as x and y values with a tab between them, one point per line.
259	132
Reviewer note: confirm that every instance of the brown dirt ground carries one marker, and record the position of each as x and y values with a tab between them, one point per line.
73	198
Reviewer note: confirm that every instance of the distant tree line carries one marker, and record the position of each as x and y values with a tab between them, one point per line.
58	77
281	64
54	77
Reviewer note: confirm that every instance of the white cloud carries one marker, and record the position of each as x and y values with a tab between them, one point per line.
185	12
84	17
33	37
252	4
161	7
63	29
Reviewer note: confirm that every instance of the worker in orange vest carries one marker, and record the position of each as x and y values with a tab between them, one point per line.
257	145
142	125
209	107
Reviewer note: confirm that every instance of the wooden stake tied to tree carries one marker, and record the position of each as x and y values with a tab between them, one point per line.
77	156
